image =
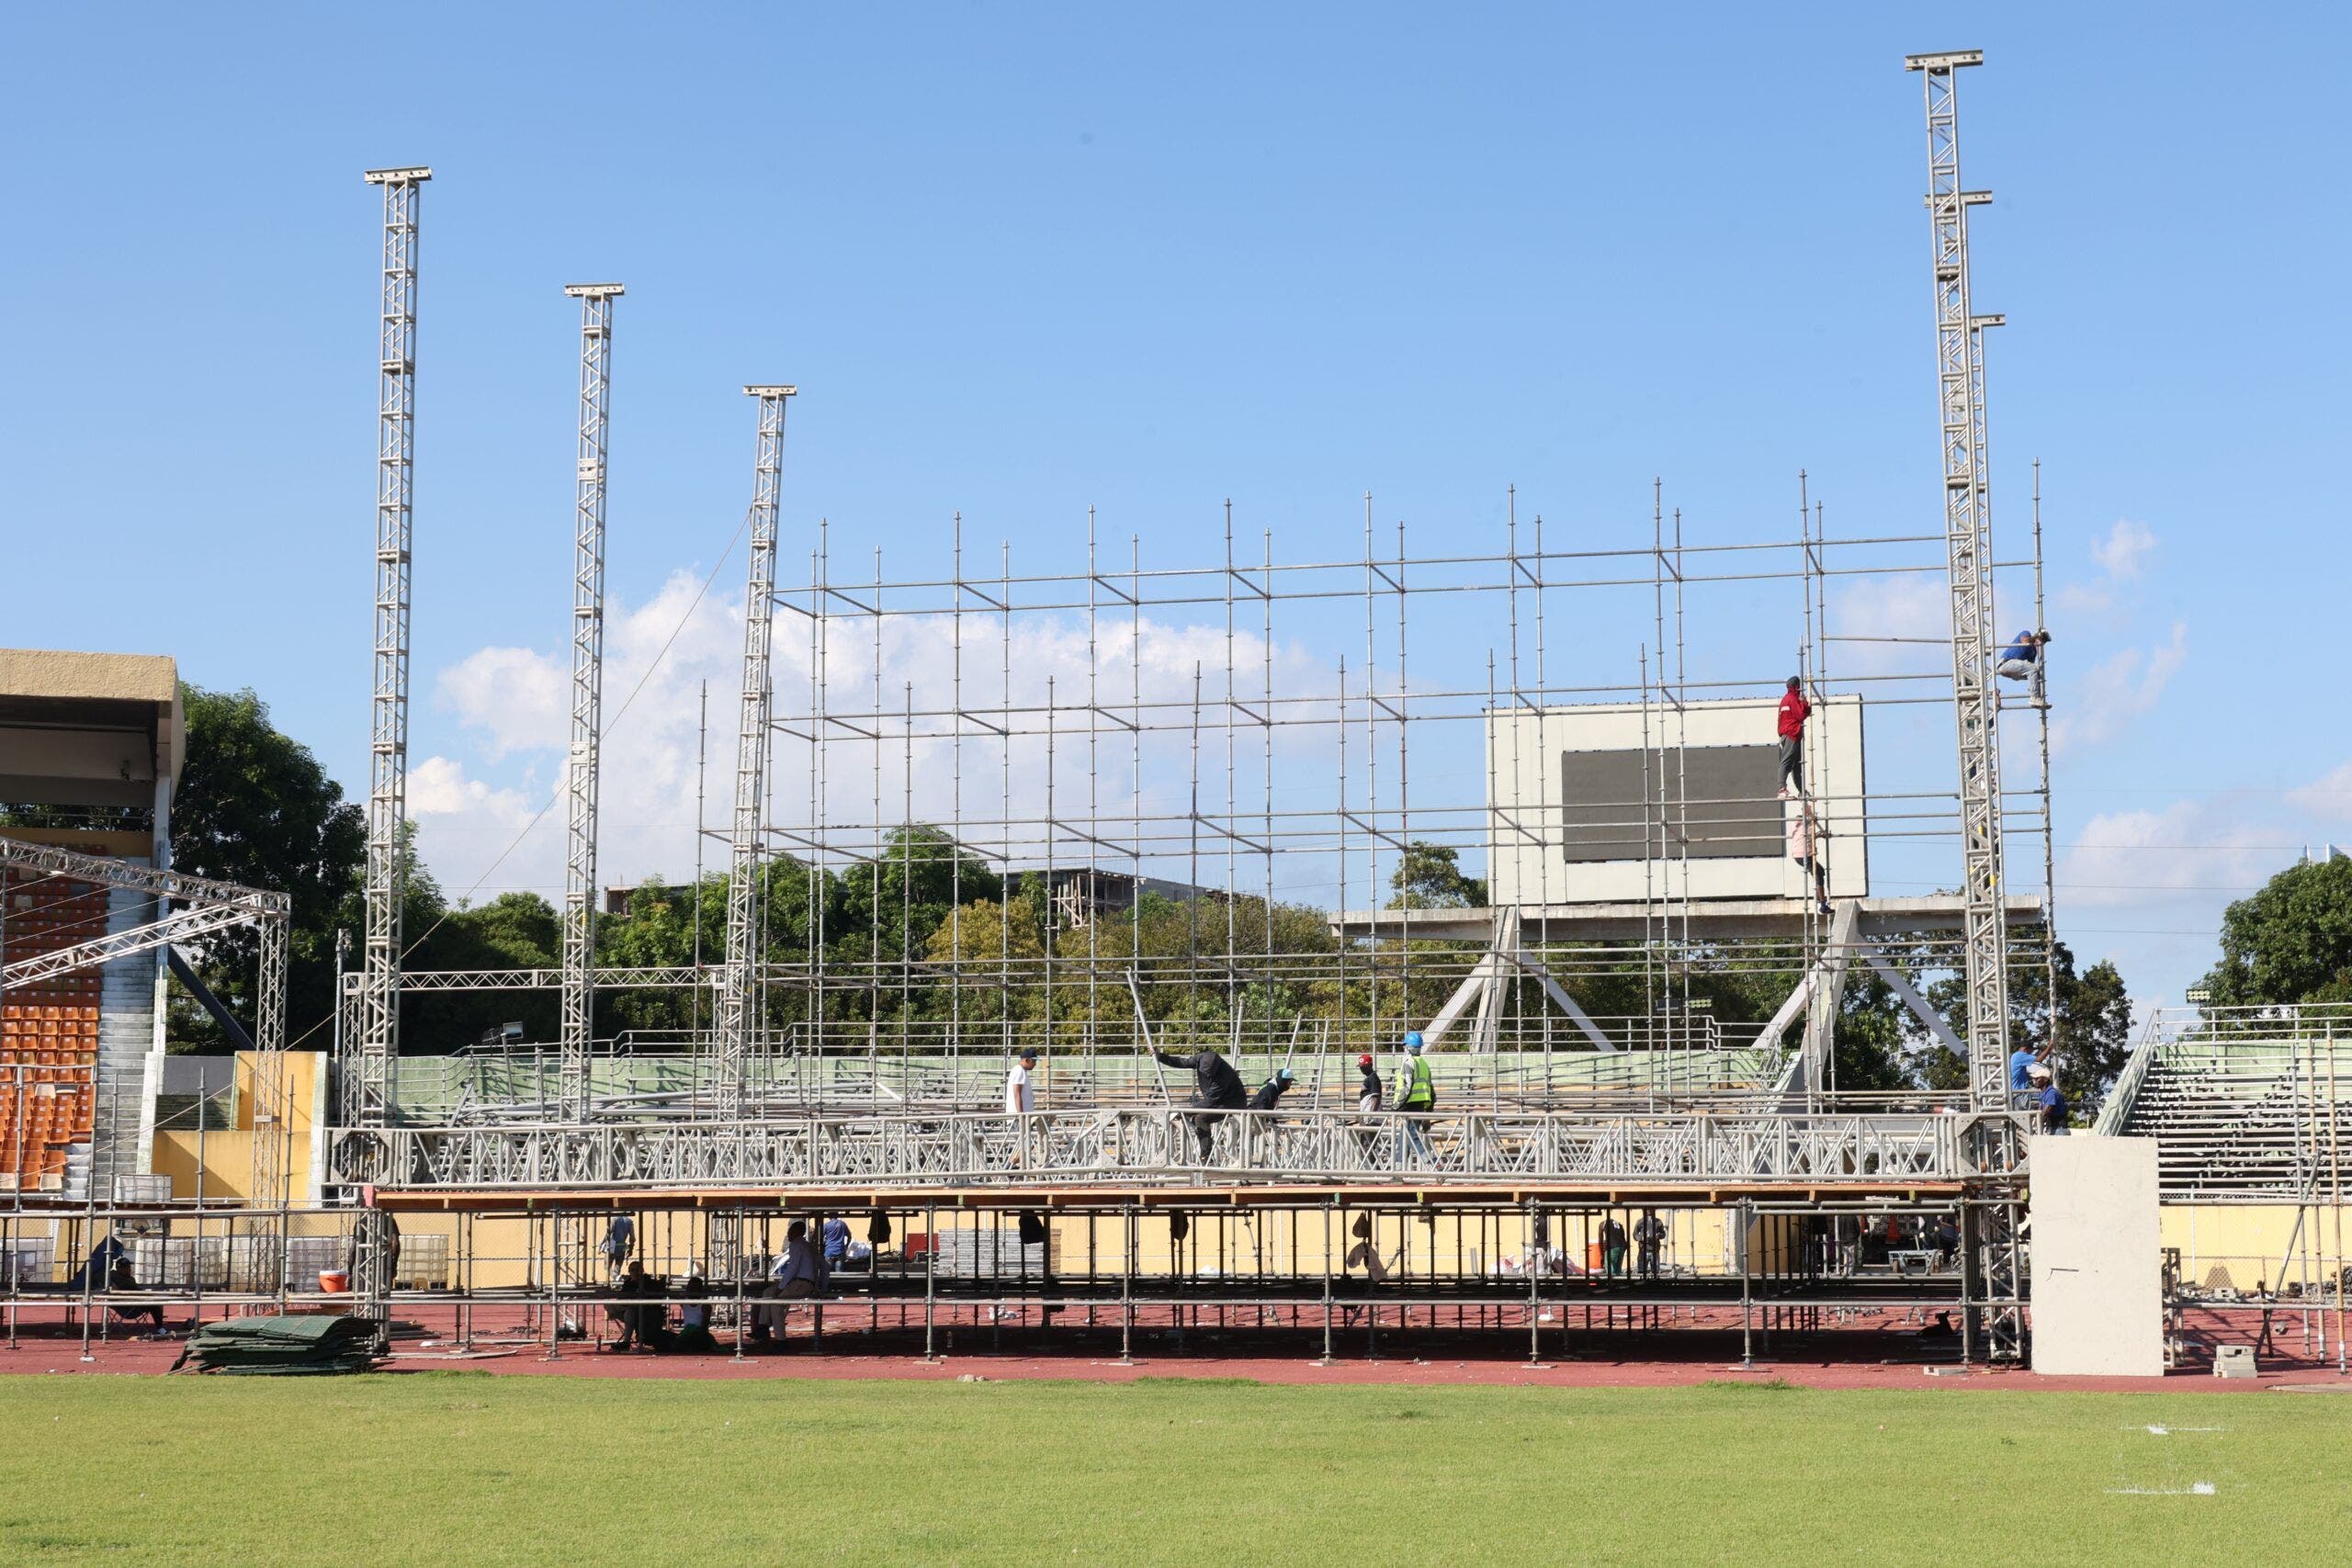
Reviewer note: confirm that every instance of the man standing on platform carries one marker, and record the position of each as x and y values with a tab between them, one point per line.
1217	1089
1794	711
1416	1096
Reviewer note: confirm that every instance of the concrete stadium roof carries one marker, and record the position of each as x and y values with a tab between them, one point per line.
88	729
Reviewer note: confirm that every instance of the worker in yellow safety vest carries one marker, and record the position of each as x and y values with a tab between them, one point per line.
1416	1096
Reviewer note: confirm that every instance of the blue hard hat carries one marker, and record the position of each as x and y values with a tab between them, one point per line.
1413	1040
1283	1073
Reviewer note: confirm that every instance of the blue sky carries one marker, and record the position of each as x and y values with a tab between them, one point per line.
1026	260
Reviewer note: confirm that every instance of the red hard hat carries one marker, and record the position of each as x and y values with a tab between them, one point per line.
1364	1060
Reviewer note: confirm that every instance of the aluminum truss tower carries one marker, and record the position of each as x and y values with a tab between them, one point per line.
273	1089
733	1022
368	1094
1992	1217
1967	538
587	694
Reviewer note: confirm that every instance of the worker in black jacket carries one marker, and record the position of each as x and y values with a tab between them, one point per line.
1217	1087
1270	1093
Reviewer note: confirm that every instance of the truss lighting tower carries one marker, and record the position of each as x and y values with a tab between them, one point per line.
1967	537
369	1092
587	693
732	1024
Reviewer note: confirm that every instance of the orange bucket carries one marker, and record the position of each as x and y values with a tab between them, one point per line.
334	1282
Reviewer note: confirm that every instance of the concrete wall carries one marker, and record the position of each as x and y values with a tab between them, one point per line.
2097	1268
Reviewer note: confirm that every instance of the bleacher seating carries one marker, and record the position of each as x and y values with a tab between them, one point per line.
49	1033
2239	1117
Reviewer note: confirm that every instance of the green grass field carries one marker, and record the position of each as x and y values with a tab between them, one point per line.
476	1469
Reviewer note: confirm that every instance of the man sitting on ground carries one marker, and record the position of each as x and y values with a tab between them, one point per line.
642	1326
693	1316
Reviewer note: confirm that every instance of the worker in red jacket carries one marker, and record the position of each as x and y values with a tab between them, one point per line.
1794	711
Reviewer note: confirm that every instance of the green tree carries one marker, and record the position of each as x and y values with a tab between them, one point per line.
658	931
2094	1022
1429	876
2291	941
513	931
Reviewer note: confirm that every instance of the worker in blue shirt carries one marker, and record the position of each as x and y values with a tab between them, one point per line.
2052	1105
835	1234
2021	1065
2021	661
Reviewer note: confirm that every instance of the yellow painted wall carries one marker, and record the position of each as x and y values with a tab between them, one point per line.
226	1157
2238	1244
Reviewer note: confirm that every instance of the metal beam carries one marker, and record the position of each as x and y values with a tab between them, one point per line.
369	1085
174	885
583	769
186	974
183	925
734	1023
542	979
1900	984
1967	488
1828	993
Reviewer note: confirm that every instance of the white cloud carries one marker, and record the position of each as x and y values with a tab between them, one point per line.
2188	848
2328	798
516	694
2125	550
2117	690
1907	604
2121	556
439	786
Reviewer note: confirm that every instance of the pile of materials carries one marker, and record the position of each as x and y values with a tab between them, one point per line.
282	1347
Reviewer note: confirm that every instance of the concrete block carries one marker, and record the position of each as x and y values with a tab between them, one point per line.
2234	1361
2098	1308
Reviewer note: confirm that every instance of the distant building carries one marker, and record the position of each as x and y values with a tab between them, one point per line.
96	739
1084	893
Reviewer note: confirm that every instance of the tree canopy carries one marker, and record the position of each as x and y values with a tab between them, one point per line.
2290	941
1429	876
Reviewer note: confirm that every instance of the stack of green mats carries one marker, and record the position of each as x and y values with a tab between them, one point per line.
283	1346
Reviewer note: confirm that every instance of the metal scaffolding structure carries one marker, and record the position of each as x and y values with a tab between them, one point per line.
583	765
367	1082
1127	816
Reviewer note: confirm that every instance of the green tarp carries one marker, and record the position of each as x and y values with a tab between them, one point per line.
282	1347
